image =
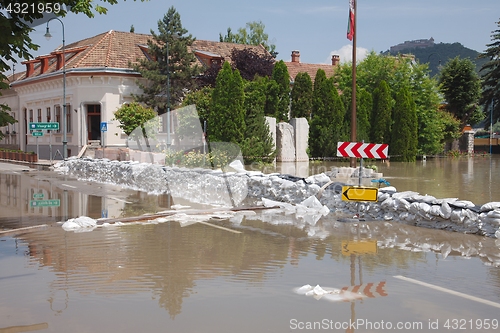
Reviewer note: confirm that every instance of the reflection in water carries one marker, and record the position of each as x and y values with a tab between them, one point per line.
178	267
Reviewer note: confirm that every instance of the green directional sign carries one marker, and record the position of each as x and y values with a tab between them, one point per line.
38	195
37	133
45	203
44	126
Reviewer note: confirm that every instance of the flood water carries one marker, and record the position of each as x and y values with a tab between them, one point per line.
199	278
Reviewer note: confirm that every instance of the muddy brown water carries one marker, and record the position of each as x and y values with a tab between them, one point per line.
167	278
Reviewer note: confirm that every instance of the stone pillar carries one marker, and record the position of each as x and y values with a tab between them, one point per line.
301	134
285	143
271	122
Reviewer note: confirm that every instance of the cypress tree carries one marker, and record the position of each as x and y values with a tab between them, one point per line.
364	109
381	118
227	116
404	135
282	78
327	124
364	105
301	96
257	145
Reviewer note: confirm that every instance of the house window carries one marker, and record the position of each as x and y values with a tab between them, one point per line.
48	117
68	118
30	117
13	125
57	110
39	113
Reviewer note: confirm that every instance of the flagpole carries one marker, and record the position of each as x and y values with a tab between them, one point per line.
353	97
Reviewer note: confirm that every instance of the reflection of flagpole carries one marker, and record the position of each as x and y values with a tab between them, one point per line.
353	98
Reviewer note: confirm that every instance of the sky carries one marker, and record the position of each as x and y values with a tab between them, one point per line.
316	28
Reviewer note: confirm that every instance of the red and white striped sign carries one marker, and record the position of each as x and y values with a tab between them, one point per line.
362	150
369	290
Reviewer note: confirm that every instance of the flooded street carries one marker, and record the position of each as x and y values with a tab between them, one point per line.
227	276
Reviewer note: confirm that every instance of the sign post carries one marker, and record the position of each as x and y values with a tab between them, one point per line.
40	127
104	129
361	150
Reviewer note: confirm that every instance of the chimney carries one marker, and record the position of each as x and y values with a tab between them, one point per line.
296	56
335	60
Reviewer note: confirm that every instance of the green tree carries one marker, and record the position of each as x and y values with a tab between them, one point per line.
15	41
252	34
301	96
431	127
135	116
281	91
164	83
398	72
227	115
364	104
461	88
327	124
490	77
381	118
404	141
190	122
257	145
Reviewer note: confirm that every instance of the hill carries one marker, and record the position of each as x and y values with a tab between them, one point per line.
439	54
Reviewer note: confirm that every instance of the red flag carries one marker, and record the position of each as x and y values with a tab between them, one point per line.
350	23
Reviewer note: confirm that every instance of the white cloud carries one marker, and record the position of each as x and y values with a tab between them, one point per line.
345	54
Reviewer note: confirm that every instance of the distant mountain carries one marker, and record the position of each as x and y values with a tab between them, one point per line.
438	55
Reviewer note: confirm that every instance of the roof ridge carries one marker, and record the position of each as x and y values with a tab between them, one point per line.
93	46
110	46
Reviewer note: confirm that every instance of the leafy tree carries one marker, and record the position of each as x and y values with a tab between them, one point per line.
250	63
227	115
15	41
257	145
431	128
381	117
461	88
301	96
490	78
252	34
191	122
404	141
167	83
135	116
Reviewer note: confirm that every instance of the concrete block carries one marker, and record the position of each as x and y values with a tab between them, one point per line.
301	137
285	143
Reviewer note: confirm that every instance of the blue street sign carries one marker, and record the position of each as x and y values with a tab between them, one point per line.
104	126
104	213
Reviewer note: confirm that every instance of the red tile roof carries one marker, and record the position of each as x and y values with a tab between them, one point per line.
116	49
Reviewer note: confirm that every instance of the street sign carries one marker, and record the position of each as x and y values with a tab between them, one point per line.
104	126
37	133
358	193
362	150
44	126
38	195
45	203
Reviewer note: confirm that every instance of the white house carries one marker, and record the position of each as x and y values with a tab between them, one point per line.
98	81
